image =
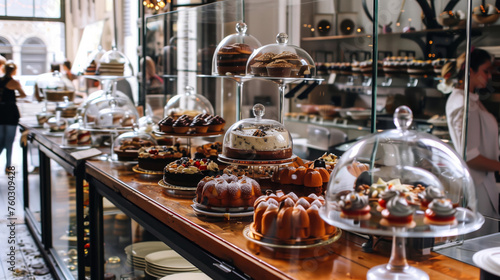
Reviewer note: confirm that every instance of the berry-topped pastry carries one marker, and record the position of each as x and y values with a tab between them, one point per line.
398	213
155	158
188	172
355	206
440	212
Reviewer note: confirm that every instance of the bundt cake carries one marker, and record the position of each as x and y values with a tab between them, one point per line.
227	191
283	217
302	180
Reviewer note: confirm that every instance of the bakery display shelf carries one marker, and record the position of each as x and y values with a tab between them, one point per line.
251	162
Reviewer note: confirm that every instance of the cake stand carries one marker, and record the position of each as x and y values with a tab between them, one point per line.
413	158
188	137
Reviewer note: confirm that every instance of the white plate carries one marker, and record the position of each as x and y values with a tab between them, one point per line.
142	249
202	212
169	260
488	260
187	276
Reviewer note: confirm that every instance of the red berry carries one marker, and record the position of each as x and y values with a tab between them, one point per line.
203	167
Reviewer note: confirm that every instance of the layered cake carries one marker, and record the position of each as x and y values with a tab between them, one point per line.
285	218
209	150
228	191
232	59
129	148
189	172
77	137
155	158
263	142
111	69
91	68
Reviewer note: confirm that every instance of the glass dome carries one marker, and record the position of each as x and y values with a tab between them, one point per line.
232	53
188	103
93	61
403	183
55	87
56	124
114	63
75	135
127	145
68	108
110	110
281	60
257	139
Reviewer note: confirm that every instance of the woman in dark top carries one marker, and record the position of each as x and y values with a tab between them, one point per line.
9	113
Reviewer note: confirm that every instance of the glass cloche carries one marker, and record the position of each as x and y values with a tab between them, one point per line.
76	136
111	110
401	183
188	103
93	61
55	87
232	53
402	163
281	60
114	63
127	145
257	139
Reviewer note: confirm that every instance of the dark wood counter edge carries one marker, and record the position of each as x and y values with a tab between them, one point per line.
220	248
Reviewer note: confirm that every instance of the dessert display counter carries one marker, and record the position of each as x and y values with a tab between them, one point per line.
219	248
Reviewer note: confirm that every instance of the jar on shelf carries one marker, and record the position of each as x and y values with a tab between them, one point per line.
232	53
281	60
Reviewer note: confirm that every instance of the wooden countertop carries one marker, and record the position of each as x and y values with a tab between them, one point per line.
342	259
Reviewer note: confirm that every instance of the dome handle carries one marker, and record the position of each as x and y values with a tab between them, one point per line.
403	117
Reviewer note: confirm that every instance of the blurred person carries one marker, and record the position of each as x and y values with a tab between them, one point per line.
9	113
67	70
37	92
154	83
2	63
482	152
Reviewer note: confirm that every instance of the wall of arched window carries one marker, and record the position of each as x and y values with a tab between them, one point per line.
5	48
33	57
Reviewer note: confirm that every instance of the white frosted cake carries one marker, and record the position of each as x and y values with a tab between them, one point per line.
264	142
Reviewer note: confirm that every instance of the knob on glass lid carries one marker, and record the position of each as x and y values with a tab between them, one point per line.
231	55
188	103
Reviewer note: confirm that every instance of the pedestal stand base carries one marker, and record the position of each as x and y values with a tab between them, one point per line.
409	273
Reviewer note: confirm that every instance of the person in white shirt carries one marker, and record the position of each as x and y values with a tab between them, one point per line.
482	153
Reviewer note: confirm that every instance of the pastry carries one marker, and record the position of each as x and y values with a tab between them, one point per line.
189	172
227	191
440	212
355	206
155	158
398	213
428	195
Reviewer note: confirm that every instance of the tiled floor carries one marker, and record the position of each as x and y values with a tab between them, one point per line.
25	261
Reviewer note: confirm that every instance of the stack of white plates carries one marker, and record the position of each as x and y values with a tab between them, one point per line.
488	260
137	252
162	263
187	276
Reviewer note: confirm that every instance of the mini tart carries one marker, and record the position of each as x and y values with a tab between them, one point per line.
165	125
200	125
398	213
355	206
440	212
428	195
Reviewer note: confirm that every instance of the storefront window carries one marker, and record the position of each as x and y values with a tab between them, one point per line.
31	8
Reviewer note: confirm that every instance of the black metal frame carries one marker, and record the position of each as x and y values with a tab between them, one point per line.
43	236
198	256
